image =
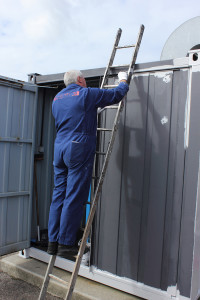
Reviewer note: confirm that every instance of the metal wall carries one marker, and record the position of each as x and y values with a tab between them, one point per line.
190	229
137	228
144	225
17	119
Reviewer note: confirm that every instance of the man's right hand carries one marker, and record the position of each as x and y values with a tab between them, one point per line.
122	76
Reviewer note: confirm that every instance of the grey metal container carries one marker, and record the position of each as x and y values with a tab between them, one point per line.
17	138
146	230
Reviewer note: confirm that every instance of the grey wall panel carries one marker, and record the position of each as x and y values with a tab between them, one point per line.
159	107
175	181
109	218
13	218
4	109
190	192
17	112
2	150
13	164
195	285
144	224
16	148
14	223
27	157
28	107
132	177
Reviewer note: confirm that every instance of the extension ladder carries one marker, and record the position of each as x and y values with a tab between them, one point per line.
113	131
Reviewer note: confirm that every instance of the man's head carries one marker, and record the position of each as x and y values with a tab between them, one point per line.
74	76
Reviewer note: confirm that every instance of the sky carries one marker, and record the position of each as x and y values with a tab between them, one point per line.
53	36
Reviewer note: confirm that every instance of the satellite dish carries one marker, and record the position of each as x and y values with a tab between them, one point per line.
185	38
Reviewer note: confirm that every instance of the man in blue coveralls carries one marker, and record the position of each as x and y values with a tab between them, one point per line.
75	113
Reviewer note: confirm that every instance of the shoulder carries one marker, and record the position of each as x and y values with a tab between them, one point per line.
94	91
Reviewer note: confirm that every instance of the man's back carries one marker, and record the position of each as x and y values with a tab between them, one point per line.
75	108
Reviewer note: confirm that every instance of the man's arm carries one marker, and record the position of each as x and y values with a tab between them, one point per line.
105	97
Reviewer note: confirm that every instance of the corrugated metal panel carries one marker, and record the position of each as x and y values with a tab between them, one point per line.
138	220
155	180
18	108
45	135
192	182
190	196
175	181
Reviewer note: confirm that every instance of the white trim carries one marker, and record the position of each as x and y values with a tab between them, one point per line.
24	253
187	110
172	290
121	283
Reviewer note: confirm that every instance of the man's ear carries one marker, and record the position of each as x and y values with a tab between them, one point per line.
79	79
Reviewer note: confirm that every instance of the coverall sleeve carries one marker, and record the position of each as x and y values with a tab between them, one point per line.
104	97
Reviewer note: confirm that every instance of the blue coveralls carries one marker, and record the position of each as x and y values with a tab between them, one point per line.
75	113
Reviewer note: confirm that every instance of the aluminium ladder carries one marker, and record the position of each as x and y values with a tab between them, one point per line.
113	131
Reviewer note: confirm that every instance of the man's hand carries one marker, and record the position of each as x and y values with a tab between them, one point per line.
122	76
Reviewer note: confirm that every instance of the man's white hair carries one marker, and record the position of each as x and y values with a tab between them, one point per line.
71	76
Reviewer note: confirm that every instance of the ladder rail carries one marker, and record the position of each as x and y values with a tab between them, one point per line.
105	164
119	32
47	277
134	57
94	204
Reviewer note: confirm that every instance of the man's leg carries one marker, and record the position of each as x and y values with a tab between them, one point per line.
59	192
78	184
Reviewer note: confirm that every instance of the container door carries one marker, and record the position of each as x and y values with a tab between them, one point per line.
18	101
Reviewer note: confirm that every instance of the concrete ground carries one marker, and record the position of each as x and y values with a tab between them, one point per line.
16	289
21	279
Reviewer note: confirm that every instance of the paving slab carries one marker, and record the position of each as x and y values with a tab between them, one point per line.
16	289
33	271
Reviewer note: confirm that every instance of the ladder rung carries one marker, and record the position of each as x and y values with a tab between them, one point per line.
106	107
110	86
100	153
103	129
127	46
112	106
58	279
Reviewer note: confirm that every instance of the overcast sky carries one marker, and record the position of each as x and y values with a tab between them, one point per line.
52	36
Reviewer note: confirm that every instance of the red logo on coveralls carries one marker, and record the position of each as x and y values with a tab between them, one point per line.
66	95
75	93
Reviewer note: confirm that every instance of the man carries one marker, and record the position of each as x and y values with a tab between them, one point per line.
75	113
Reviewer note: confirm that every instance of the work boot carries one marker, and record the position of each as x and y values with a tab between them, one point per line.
67	250
52	248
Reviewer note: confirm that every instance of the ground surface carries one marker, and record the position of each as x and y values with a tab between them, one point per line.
15	289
